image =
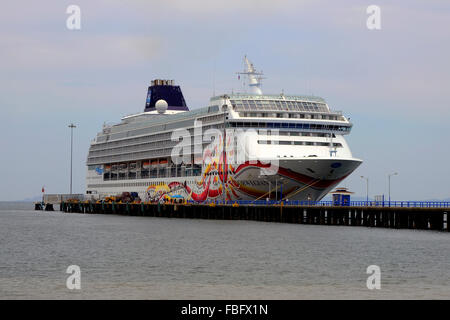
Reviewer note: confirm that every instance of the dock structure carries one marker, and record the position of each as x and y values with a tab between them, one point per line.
423	218
43	206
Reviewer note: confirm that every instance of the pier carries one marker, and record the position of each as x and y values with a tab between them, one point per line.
417	215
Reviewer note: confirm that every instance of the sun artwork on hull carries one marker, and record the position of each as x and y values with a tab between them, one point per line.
235	181
210	187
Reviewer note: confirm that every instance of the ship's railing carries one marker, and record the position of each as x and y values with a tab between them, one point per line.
397	204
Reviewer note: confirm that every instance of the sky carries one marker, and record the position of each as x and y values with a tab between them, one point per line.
393	83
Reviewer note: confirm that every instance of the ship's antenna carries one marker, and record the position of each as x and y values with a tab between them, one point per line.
214	78
254	77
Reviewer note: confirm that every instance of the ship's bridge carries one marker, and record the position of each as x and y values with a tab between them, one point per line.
245	102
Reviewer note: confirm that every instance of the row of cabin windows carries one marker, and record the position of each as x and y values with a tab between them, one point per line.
278	125
149	145
296	134
130	184
139	140
108	176
289	115
145	173
165	137
300	143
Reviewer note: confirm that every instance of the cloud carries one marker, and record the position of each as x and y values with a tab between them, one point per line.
252	8
68	50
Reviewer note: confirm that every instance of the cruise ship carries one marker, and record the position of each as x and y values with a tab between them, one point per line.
242	146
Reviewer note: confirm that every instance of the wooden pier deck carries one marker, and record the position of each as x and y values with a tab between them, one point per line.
367	216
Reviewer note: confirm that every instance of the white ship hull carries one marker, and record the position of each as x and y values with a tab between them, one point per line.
297	179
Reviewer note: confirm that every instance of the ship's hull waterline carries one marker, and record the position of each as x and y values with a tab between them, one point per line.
295	179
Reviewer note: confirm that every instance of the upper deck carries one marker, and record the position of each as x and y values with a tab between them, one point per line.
281	102
274	107
147	134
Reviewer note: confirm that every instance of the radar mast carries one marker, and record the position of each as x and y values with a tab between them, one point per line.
254	77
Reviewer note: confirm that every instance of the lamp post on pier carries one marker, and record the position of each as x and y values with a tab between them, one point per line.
71	126
367	189
270	188
389	185
281	188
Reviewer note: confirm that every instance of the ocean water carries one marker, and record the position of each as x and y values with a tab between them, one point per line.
160	258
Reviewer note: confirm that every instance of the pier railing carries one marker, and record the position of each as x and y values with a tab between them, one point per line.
397	204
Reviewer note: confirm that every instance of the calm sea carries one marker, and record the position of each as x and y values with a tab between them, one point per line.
160	258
